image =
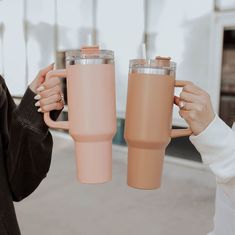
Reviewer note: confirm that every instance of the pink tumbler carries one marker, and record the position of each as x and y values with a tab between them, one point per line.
91	121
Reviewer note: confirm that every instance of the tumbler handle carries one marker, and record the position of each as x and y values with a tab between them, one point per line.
61	73
181	132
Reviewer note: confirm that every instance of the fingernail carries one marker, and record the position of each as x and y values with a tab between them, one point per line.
37	104
41	88
39	110
37	97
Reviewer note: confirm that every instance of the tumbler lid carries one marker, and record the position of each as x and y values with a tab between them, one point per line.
89	55
160	65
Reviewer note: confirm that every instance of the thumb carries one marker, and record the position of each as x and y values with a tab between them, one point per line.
44	71
40	78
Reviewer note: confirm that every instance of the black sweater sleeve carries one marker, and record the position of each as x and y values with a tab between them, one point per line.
27	144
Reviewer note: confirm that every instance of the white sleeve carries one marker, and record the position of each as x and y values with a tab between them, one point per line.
216	144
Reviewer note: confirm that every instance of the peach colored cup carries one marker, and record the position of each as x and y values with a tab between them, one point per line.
91	111
149	119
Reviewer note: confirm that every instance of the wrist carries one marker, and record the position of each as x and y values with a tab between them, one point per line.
203	125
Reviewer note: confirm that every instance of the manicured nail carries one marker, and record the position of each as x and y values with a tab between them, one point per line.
37	104
39	110
41	88
37	97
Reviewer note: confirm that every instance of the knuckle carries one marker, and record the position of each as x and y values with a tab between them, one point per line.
58	97
59	106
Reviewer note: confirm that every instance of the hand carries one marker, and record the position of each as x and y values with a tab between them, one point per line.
195	107
40	78
49	94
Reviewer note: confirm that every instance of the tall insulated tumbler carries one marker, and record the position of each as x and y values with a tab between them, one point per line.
148	124
91	110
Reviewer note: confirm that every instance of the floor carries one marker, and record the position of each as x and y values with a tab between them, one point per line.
61	206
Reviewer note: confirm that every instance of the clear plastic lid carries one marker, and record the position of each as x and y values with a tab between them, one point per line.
159	65
89	55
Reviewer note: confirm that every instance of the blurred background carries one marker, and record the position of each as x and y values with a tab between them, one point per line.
199	35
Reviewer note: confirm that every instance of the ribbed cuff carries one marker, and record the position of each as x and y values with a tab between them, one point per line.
28	114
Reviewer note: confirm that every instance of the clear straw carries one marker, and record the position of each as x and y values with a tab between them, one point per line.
90	41
143	51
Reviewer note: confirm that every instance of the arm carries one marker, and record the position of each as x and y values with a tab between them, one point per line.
27	141
214	140
216	143
29	148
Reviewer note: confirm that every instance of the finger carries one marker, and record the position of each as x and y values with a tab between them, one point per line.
48	92
189	97
188	116
44	71
191	88
184	114
49	100
48	84
190	106
50	107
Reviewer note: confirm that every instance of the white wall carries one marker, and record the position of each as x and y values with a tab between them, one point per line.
1	41
176	28
75	22
224	5
120	27
40	31
181	29
13	51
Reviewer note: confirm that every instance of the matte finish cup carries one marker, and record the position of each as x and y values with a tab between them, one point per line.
148	127
91	111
